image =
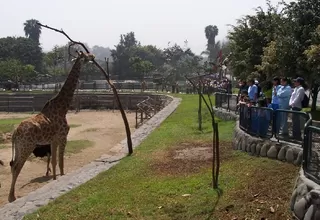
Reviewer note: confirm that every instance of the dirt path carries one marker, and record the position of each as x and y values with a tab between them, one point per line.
105	129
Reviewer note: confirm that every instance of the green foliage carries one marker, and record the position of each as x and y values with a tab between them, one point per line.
15	71
23	49
141	67
272	43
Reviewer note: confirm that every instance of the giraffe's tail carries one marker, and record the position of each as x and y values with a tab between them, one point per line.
1	163
13	147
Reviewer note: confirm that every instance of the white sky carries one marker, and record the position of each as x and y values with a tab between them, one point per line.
100	22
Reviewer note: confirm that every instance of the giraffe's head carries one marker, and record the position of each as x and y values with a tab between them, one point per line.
85	57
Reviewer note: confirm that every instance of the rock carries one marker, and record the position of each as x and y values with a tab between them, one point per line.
244	144
248	147
272	152
258	149
299	159
282	153
253	148
289	156
264	150
300	208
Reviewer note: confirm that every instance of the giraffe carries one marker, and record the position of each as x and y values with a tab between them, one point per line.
50	126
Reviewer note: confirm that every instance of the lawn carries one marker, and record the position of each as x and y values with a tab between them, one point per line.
169	177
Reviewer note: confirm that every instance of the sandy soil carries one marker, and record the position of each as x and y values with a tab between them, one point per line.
105	129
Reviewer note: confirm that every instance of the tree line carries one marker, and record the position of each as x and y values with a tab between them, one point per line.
22	60
283	40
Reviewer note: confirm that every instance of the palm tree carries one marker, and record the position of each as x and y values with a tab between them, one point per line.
212	47
32	30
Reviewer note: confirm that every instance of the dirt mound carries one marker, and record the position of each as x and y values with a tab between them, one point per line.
188	158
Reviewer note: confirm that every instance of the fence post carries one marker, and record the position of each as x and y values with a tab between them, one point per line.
8	104
228	100
136	118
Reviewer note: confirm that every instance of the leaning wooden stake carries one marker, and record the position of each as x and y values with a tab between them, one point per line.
107	76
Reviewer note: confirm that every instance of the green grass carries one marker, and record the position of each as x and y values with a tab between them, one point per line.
7	125
74	125
134	189
77	146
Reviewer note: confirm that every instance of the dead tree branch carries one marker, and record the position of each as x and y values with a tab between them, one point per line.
106	74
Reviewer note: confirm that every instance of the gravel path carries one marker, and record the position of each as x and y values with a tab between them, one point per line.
54	189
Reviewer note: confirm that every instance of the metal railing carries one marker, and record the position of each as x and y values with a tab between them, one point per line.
226	101
264	122
289	125
147	108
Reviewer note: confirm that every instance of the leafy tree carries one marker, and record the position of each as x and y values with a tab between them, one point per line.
141	67
121	55
23	49
16	71
101	52
180	62
32	30
249	40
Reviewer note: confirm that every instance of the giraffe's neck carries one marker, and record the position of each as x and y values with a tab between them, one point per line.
60	103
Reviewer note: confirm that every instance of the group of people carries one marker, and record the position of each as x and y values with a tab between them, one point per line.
284	97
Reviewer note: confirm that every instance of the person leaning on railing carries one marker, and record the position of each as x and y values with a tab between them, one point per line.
296	105
283	94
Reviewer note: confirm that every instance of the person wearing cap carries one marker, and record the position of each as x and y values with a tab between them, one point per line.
296	105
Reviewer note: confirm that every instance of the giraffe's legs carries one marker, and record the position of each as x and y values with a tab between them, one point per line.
16	167
48	165
62	147
54	158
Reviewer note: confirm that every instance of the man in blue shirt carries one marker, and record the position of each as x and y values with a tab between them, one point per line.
252	91
275	101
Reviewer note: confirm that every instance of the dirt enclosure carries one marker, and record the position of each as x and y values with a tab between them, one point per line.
104	129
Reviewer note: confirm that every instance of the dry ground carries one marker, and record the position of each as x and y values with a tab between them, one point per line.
265	188
105	129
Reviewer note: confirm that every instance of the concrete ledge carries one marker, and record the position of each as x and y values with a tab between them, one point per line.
42	196
305	199
266	147
225	115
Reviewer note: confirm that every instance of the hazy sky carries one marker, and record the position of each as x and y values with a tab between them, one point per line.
100	22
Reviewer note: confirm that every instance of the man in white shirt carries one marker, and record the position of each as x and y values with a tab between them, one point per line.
296	105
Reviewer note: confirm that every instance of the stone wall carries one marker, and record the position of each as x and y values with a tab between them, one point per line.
266	147
305	200
225	115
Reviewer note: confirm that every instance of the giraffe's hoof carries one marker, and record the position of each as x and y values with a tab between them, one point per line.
11	199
